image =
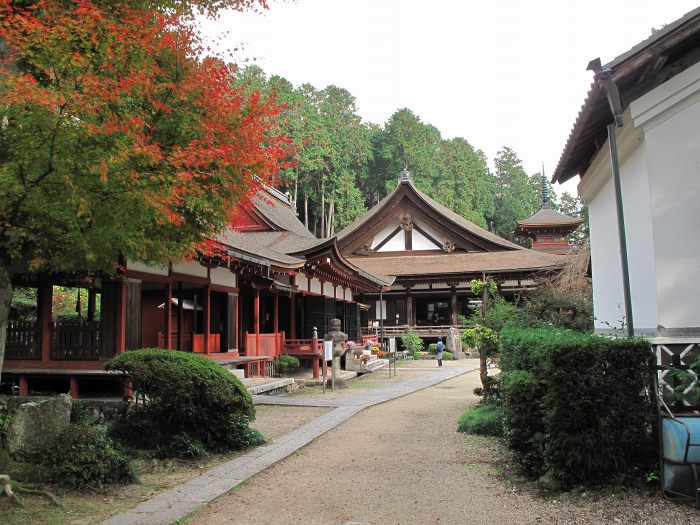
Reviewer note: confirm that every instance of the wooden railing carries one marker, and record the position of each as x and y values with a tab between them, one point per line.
301	347
191	342
75	340
22	340
398	331
270	345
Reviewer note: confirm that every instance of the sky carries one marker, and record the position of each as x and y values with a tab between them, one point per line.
498	73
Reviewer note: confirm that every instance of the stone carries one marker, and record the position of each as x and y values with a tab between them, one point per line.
453	341
37	424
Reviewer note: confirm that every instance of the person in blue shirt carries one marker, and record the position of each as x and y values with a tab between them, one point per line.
440	348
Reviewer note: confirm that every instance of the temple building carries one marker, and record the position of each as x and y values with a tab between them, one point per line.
433	253
548	228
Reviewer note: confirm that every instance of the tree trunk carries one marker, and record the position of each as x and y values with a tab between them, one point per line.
483	369
323	207
329	221
5	300
306	209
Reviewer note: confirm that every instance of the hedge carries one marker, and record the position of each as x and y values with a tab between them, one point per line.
184	395
577	406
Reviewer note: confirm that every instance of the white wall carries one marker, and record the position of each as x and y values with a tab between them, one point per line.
599	191
223	277
421	242
190	268
670	119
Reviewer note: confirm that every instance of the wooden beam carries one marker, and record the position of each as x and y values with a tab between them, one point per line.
206	317
120	321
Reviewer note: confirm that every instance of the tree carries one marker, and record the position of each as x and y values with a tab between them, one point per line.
575	207
118	138
517	195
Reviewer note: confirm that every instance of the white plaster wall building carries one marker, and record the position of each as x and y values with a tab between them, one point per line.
658	150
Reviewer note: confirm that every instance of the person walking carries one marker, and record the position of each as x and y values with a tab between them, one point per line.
440	347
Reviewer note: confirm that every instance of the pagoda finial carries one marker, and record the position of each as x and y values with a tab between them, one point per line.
545	200
405	176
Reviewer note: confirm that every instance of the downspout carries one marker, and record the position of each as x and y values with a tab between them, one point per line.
606	82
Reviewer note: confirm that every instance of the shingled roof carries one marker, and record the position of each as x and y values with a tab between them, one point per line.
637	71
549	217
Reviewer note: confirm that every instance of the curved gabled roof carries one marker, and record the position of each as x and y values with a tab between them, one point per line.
549	217
407	188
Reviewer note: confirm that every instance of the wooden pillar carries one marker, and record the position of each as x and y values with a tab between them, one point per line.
23	386
230	322
453	305
409	307
120	321
74	387
293	316
302	311
316	360
91	304
44	299
168	313
256	319
276	313
206	317
180	316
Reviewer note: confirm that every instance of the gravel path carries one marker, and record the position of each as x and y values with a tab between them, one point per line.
402	462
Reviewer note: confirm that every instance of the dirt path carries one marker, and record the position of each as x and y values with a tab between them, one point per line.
402	462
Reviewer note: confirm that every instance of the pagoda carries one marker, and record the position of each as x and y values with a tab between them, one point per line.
548	227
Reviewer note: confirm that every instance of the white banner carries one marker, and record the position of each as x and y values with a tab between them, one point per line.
328	350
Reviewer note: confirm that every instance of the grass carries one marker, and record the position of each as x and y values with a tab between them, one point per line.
484	419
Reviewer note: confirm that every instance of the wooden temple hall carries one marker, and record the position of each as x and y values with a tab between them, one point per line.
275	287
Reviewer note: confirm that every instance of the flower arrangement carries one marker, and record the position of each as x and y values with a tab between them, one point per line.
357	352
374	349
381	354
364	358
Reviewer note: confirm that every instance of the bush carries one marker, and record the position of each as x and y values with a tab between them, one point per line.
432	348
551	307
182	446
85	457
80	413
448	356
182	393
412	342
577	406
286	364
485	419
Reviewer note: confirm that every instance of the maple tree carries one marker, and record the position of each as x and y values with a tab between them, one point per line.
120	137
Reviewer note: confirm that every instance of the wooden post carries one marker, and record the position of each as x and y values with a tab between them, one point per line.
293	316
276	313
23	386
256	319
120	321
206	317
44	298
74	387
409	307
168	313
91	304
180	316
453	305
316	367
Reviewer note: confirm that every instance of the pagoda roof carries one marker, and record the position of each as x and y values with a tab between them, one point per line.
547	217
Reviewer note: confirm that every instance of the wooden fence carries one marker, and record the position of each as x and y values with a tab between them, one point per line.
75	340
22	340
270	345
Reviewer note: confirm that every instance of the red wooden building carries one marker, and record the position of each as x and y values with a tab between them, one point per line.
274	283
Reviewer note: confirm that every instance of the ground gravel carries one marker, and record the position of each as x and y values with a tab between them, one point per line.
403	462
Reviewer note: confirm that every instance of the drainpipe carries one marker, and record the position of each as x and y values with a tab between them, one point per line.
606	82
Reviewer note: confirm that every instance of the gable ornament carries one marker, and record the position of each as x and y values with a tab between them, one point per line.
448	246
406	222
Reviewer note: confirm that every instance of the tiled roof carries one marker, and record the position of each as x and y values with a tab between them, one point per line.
279	211
460	263
438	208
548	216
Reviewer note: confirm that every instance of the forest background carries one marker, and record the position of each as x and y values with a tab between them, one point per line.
344	166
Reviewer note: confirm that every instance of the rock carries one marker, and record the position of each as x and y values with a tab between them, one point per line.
548	482
37	424
453	341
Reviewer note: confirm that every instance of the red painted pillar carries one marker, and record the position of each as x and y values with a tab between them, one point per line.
317	368
74	387
256	320
167	321
206	315
180	317
23	386
44	298
276	313
120	321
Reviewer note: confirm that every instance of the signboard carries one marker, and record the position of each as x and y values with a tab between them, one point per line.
327	350
392	345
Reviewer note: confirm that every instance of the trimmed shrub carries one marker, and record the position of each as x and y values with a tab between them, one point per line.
182	446
182	393
286	364
432	348
577	406
484	419
448	356
84	457
412	342
553	307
